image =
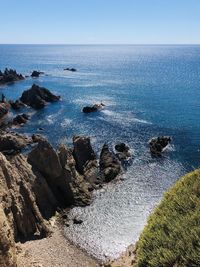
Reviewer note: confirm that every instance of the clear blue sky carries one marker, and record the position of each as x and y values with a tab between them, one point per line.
100	21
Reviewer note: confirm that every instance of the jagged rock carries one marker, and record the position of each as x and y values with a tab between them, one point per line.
77	220
123	151
4	109
18	198
16	105
7	244
91	171
21	119
9	75
45	159
79	186
37	97
82	152
12	143
157	144
71	69
36	73
109	165
93	108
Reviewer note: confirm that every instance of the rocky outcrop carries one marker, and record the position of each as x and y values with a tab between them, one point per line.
4	109
158	144
9	75
110	166
13	143
37	97
93	108
7	244
21	119
16	105
82	152
36	73
71	69
122	151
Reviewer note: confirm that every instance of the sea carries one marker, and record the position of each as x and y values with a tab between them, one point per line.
148	91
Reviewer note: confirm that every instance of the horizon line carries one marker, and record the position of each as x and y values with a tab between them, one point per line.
133	44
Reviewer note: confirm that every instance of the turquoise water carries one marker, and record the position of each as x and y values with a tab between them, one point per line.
148	91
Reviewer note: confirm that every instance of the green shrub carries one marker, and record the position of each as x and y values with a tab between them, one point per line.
172	234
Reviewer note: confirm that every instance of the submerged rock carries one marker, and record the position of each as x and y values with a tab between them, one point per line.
37	97
10	75
157	144
110	166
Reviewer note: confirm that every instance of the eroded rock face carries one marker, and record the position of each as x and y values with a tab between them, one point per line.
45	159
10	75
16	105
82	152
37	97
157	144
18	198
110	166
12	143
4	109
7	244
122	151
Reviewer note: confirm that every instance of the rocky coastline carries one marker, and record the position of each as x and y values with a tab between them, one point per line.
37	185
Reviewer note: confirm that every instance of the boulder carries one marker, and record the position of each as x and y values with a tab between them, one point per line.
93	108
37	97
13	143
20	119
122	151
10	75
36	73
110	166
82	152
157	144
38	138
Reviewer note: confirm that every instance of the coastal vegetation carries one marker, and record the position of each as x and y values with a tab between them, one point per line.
172	234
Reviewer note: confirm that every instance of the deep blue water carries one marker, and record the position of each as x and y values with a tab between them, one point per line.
148	91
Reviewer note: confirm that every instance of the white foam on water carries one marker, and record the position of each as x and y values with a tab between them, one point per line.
65	123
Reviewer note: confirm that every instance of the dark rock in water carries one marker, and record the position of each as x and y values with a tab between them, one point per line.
21	119
110	166
41	129
10	75
45	159
71	69
37	96
121	147
93	108
36	73
123	151
16	105
13	142
89	109
77	221
157	144
82	152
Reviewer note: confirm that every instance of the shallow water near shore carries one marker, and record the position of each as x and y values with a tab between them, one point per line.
148	91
